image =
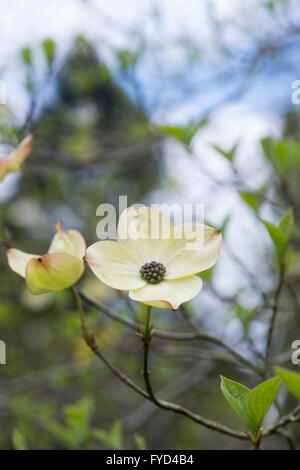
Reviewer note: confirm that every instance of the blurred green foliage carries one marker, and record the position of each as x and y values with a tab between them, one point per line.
94	142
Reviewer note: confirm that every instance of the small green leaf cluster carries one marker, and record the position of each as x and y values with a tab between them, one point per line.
184	134
290	379
281	233
251	405
283	154
48	49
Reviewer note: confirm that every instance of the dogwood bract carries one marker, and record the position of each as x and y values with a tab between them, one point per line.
153	259
14	161
60	268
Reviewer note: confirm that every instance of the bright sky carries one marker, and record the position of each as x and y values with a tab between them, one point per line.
28	21
109	23
116	22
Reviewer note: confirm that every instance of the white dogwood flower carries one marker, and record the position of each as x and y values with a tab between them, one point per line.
154	260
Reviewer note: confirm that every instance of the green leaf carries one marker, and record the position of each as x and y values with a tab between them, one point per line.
128	58
140	442
78	415
286	223
230	154
261	398
290	379
104	437
112	438
184	134
223	226
282	154
117	431
237	396
251	405
278	237
207	275
76	430
281	233
18	440
270	5
26	55
251	199
60	432
49	49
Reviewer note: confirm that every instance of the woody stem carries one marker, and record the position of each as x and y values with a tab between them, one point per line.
86	332
147	333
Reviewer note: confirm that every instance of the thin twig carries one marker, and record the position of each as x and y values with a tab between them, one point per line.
131	324
168	405
174	389
146	337
273	317
294	296
219	342
199	334
290	418
161	403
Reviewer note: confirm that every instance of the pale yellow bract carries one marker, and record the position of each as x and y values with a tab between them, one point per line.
14	161
146	235
58	269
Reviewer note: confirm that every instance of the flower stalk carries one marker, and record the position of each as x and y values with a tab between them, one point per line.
256	441
147	332
146	335
84	328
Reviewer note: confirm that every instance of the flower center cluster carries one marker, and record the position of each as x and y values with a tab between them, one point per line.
153	272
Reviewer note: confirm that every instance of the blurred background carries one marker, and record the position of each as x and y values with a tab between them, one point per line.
165	102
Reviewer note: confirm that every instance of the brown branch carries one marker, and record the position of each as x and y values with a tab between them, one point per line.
294	296
131	324
174	389
165	404
199	334
90	340
273	317
292	417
